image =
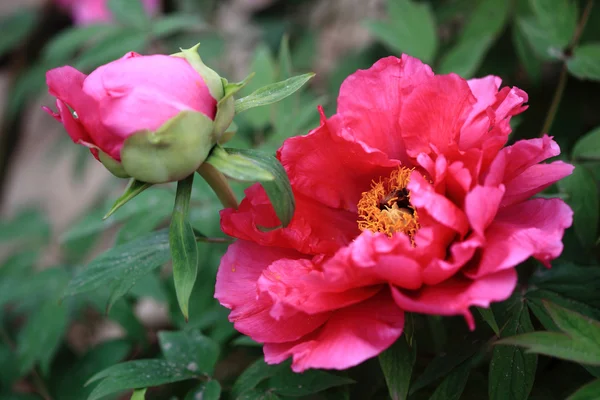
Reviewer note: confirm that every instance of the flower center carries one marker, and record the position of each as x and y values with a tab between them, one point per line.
386	207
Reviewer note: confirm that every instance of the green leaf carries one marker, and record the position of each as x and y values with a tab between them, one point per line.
134	187
557	345
531	63
258	395
175	23
411	29
453	385
397	364
538	297
69	385
210	390
572	281
512	372
47	285
129	12
587	147
15	28
587	392
488	316
66	43
264	68
582	193
483	28
138	374
255	374
252	165
575	325
288	383
272	93
39	339
190	348
184	251
585	62
245	341
557	18
28	225
138	226
111	47
139	394
122	266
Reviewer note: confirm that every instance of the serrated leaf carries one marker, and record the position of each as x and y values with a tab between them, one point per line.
587	147
587	392
582	192
453	385
175	23
111	47
66	43
190	348
129	12
488	316
138	374
512	372
134	187
585	62
39	339
288	383
210	390
184	251
272	93
16	27
122	265
483	28
255	374
411	29
397	364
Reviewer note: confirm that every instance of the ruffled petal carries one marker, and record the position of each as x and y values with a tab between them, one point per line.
532	228
456	295
236	289
314	229
350	336
481	206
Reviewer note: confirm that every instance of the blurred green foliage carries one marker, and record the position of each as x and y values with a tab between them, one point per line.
550	48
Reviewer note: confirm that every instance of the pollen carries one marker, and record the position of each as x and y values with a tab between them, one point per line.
386	207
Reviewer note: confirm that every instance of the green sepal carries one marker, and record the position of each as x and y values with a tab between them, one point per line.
172	152
211	78
228	134
226	108
112	165
134	188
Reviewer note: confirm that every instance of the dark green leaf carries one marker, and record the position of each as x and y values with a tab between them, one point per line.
138	374
588	146
288	383
210	390
129	12
39	339
15	28
582	194
585	61
587	392
531	63
255	374
65	44
575	325
70	384
556	345
258	395
184	251
488	316
245	341
484	26
272	93
411	29
190	348
575	282
134	187
111	47
397	364
558	18
175	23
122	266
453	385
512	372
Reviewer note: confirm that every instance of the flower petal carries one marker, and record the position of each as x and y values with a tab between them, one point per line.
455	296
351	336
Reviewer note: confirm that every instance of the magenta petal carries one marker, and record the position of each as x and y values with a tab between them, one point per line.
351	336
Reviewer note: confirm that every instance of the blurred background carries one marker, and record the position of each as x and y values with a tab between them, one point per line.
53	194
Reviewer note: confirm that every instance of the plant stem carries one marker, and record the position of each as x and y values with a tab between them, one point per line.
219	184
562	80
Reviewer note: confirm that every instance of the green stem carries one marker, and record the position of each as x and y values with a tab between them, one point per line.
219	184
562	80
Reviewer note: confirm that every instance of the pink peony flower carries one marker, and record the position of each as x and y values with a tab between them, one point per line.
406	201
86	12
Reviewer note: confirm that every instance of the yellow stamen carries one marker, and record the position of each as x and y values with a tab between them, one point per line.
386	207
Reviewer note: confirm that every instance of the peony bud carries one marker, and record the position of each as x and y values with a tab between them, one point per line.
148	117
